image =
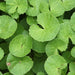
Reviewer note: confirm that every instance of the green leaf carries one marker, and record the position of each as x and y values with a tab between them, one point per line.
41	73
3	6
73	52
19	66
33	9
7	73
38	64
31	20
49	30
1	53
71	73
68	4
67	56
1	73
16	6
39	46
8	26
72	21
54	64
65	31
20	45
44	6
53	46
56	7
72	66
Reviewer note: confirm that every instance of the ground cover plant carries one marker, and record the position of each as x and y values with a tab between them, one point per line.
37	37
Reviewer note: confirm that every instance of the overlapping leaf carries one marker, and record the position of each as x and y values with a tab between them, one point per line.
49	30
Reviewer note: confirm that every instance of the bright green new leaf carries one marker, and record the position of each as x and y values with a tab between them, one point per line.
48	30
53	46
19	6
1	53
8	26
20	45
54	64
56	7
68	4
72	66
39	46
19	66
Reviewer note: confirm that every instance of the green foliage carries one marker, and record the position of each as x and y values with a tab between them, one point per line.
54	64
13	64
49	30
8	26
1	53
37	37
21	45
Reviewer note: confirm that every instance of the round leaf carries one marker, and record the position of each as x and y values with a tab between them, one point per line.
49	30
21	45
54	64
19	66
8	26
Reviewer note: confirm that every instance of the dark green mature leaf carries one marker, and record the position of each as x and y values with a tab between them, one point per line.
39	46
50	27
19	66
